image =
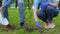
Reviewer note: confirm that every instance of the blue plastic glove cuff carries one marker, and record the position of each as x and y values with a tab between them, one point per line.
38	24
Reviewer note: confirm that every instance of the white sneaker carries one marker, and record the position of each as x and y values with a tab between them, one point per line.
5	21
48	27
1	18
51	26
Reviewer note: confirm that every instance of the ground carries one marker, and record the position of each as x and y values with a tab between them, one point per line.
14	19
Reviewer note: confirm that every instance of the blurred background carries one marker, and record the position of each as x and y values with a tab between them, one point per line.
27	4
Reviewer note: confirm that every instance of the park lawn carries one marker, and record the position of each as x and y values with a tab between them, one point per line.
14	19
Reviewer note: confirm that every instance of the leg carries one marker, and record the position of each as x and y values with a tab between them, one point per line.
5	10
5	22
41	14
21	10
50	12
56	12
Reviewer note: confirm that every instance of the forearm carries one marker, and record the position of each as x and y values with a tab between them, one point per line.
54	4
35	14
36	18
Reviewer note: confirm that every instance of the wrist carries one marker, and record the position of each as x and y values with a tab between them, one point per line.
37	22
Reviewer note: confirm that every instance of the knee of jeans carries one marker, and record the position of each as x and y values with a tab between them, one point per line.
40	14
50	8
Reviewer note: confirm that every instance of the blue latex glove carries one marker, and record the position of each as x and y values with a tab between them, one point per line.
38	25
43	5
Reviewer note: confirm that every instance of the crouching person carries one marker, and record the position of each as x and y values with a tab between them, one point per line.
47	13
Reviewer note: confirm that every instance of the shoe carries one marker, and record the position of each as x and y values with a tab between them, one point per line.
49	27
22	25
5	21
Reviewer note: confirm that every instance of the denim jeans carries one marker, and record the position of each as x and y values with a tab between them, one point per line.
21	10
48	13
5	10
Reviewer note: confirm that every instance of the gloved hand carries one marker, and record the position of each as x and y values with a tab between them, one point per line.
43	5
38	25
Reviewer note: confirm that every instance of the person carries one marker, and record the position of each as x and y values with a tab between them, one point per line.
47	12
21	10
4	8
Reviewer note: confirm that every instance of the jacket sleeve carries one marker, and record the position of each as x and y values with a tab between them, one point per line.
36	2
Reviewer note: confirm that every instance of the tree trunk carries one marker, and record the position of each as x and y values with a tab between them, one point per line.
16	3
59	4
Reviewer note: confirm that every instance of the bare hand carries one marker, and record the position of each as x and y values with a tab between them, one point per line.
1	8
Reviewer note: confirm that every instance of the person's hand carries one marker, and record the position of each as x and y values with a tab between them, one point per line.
38	25
1	8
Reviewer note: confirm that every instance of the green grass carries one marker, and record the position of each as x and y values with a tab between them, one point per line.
14	19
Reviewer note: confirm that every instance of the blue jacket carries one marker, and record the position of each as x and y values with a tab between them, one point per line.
43	5
36	2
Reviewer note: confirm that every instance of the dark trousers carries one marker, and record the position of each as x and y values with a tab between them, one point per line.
5	12
48	13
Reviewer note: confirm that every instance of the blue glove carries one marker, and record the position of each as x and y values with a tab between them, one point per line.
38	25
43	5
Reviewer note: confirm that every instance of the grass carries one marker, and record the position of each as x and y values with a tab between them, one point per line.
14	19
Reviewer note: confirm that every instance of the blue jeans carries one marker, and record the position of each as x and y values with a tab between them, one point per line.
21	10
5	10
48	13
